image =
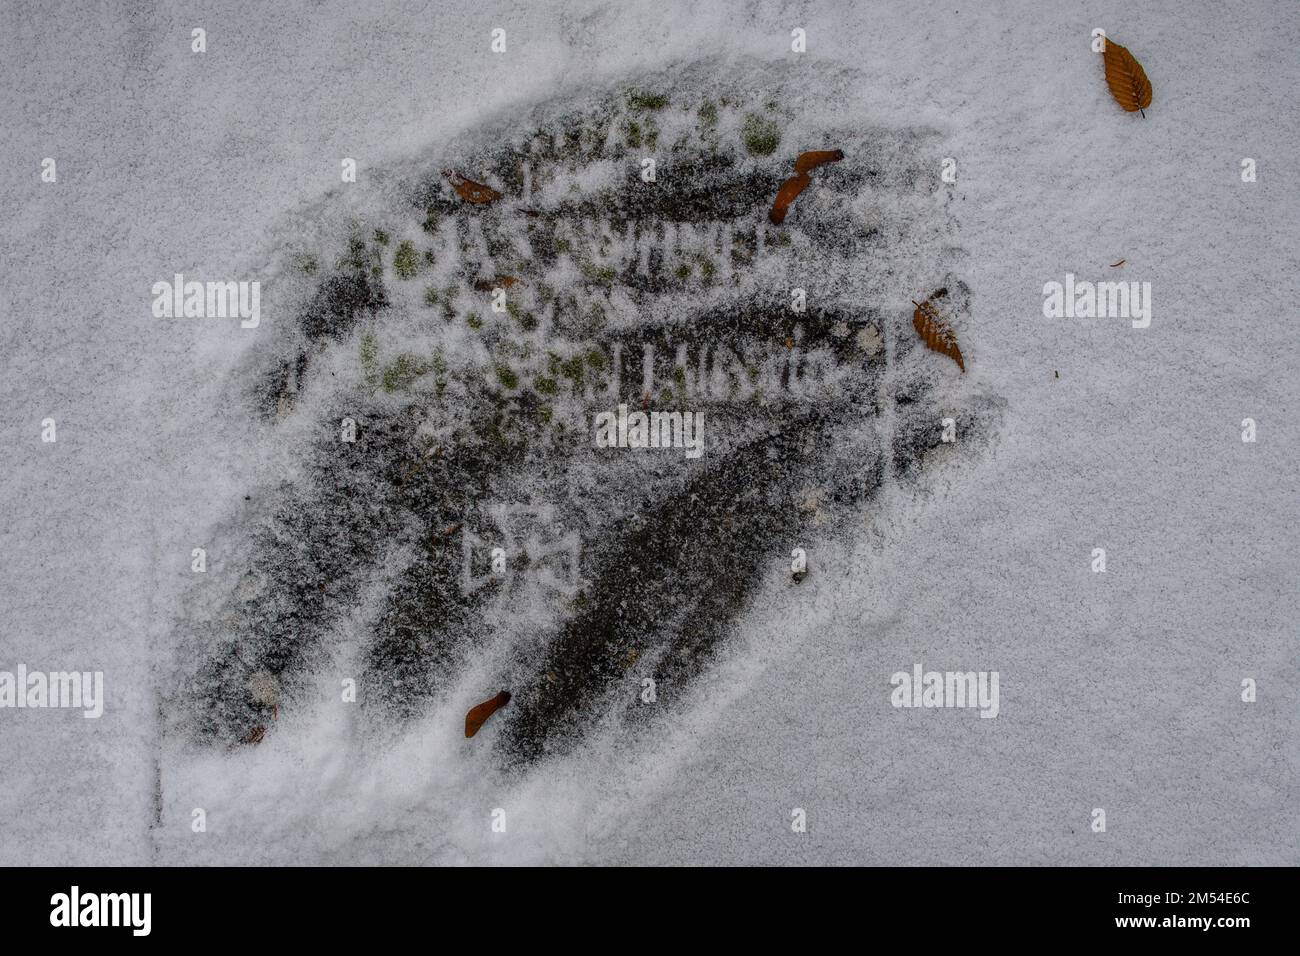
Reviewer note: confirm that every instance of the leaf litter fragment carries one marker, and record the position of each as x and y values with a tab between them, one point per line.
796	184
479	713
810	160
935	331
470	191
500	282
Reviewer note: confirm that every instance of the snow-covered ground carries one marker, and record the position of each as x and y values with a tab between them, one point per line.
1119	691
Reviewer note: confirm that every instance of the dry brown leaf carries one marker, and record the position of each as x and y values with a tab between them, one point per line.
502	282
481	712
785	195
792	187
1127	81
935	332
470	191
254	736
810	160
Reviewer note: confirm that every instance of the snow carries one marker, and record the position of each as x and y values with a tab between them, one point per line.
1119	690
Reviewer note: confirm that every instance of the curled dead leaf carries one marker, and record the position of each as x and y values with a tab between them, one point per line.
810	160
1127	80
500	282
935	331
792	187
470	191
481	712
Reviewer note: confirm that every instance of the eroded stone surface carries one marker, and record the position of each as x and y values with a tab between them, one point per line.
474	427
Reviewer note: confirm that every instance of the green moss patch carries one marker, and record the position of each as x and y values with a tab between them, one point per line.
405	261
760	135
644	100
404	370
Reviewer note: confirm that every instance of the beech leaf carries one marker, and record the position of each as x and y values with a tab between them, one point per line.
935	331
1127	80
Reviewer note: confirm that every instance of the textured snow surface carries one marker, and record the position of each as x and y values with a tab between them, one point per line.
1118	690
